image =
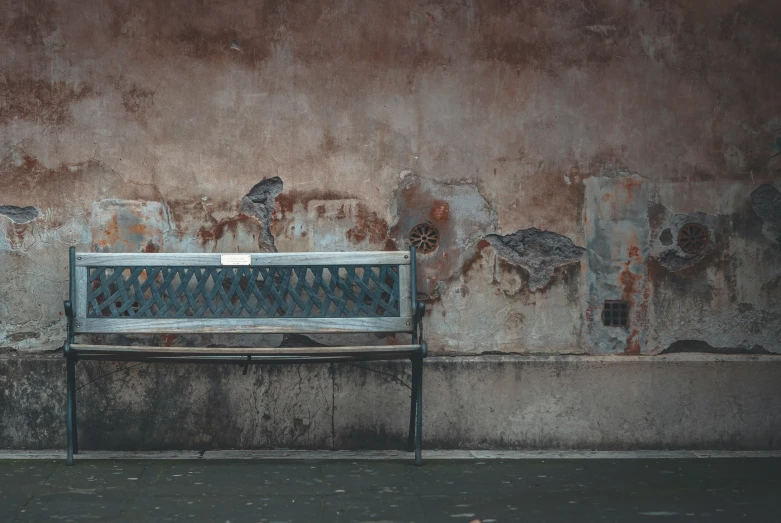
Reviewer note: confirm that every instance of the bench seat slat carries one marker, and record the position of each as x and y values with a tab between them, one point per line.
241	325
249	351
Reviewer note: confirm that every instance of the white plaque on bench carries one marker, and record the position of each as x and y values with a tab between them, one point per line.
235	259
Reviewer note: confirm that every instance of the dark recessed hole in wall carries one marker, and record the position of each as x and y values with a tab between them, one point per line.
424	237
615	313
666	237
693	238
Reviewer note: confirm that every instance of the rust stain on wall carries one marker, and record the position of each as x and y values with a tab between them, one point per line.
327	220
369	225
126	225
477	257
288	199
39	100
633	343
151	247
217	231
628	280
440	211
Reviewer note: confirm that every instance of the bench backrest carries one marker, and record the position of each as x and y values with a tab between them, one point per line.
316	292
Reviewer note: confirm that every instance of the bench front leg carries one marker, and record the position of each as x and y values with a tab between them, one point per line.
417	387
412	408
71	409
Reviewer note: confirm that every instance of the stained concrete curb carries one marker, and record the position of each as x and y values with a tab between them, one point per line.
680	402
385	455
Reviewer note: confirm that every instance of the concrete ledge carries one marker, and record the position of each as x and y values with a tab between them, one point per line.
385	455
506	402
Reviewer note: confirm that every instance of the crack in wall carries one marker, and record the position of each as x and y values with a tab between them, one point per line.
539	252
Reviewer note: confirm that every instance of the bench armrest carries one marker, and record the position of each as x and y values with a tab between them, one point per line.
420	309
69	314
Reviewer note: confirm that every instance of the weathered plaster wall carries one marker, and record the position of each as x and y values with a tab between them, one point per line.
558	149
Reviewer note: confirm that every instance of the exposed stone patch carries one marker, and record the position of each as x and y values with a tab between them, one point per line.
19	214
766	202
259	202
682	346
539	252
672	261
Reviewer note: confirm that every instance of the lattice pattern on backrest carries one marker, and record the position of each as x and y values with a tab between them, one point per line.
243	292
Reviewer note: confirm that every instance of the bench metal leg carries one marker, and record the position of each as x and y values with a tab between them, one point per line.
71	409
417	378
75	412
413	404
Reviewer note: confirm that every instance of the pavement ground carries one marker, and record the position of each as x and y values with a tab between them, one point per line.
333	490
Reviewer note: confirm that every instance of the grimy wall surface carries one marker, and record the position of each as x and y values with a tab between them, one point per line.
567	153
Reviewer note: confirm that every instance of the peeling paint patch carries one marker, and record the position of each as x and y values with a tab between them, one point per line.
461	216
539	252
617	233
488	309
126	225
673	261
766	202
683	346
260	202
327	221
19	214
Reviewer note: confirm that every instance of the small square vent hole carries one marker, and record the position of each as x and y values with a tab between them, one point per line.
616	313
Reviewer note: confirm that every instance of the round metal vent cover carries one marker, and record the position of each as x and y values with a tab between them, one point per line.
425	237
693	238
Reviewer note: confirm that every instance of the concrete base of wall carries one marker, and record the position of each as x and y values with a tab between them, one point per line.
680	401
382	455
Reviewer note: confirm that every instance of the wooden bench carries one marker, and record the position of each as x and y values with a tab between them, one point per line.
323	292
